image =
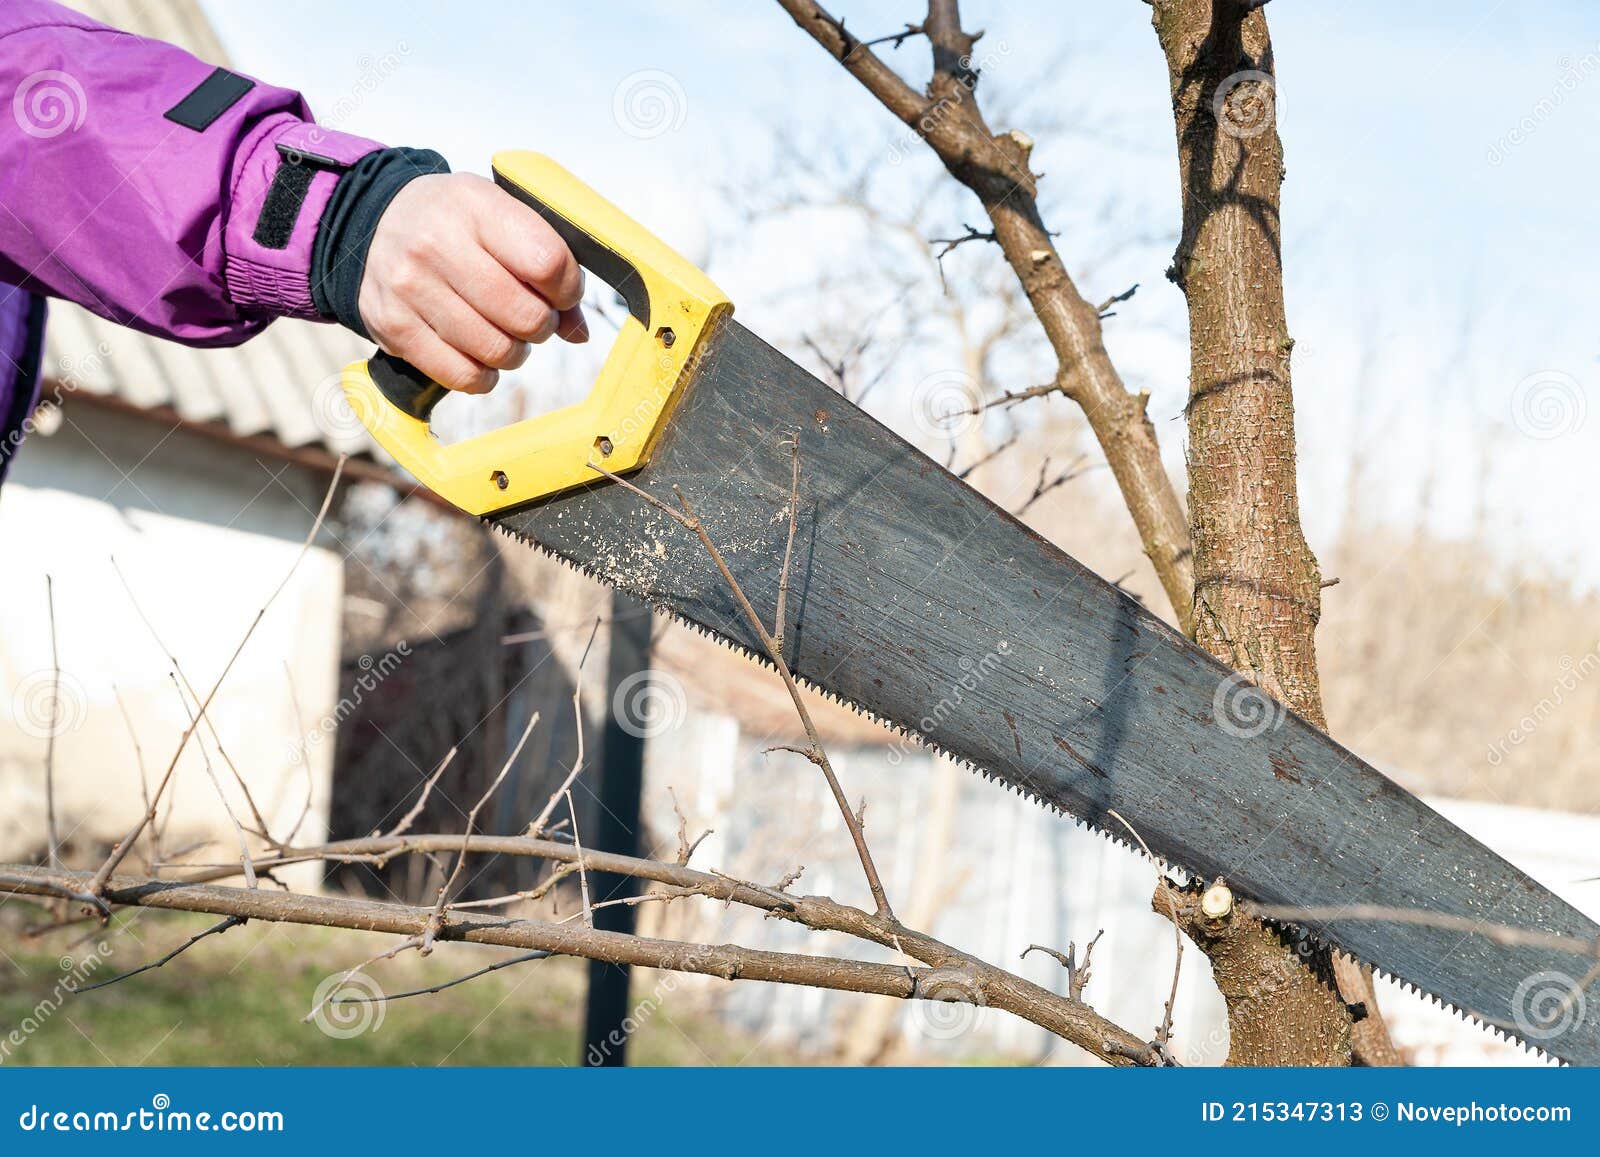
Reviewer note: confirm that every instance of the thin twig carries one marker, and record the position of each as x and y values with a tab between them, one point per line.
205	759
300	730
1044	485
410	817
583	875
686	847
780	617
894	39
144	778
120	850
1115	299
436	919
1077	971
816	754
537	827
416	942
390	997
966	471
216	929
1164	1031
50	732
188	687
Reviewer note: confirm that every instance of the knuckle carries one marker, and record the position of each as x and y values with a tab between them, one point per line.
547	327
528	317
467	379
405	280
498	349
547	262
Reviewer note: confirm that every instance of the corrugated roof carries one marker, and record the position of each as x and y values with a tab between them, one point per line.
283	383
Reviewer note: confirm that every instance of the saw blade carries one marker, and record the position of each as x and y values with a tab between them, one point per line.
916	600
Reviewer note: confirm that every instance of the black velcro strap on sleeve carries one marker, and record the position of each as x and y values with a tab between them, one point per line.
287	194
281	209
215	95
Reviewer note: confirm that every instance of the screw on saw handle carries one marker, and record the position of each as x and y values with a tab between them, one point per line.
673	309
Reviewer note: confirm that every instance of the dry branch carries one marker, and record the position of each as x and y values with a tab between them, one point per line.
993	987
995	167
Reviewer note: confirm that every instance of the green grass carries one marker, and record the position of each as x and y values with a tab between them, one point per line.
239	999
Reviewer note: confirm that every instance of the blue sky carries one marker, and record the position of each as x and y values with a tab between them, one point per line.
1439	214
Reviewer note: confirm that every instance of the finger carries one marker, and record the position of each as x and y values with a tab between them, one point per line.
504	301
573	326
525	244
470	333
415	341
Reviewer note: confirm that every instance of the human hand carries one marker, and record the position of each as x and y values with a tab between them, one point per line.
462	279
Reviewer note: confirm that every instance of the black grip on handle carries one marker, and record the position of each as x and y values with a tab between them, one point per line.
407	387
604	262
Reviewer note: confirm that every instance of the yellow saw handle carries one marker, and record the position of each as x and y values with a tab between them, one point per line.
672	309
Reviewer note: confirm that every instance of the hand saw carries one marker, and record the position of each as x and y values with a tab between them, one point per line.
917	601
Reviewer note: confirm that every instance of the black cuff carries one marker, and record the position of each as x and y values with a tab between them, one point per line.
339	254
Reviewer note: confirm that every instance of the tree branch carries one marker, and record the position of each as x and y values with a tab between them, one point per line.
995	167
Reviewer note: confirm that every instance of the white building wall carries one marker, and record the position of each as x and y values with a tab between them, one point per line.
203	537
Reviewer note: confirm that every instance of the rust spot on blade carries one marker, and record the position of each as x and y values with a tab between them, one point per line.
1281	766
1011	722
1078	757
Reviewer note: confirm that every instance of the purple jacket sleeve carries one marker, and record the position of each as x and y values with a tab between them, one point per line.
108	201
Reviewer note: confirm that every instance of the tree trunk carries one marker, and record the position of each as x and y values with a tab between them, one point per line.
1257	585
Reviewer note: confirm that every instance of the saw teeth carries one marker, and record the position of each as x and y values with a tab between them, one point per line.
922	740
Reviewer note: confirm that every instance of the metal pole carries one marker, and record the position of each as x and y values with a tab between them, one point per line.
616	828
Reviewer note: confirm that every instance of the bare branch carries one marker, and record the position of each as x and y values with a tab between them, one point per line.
583	876
995	987
436	919
781	614
390	997
120	850
53	833
410	817
216	929
816	754
1077	973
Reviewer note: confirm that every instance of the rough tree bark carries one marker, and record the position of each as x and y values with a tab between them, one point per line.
1258	589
